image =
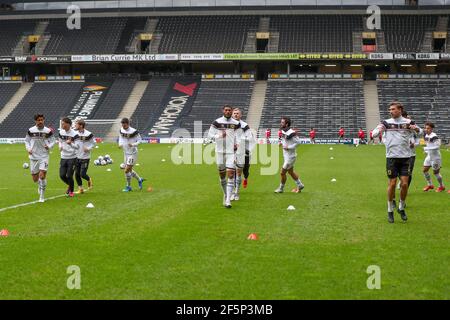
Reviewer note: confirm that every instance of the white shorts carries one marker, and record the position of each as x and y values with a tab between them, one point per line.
225	161
38	165
289	163
435	164
130	159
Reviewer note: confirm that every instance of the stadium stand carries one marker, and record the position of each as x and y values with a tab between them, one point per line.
133	25
205	34
405	33
423	99
53	99
323	104
146	112
12	32
314	33
212	96
7	90
97	35
113	103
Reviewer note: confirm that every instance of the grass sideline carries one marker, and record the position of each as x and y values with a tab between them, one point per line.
178	242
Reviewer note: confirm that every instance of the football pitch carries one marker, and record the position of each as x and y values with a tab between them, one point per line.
179	242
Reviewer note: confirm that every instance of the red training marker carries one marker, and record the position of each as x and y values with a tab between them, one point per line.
252	236
4	233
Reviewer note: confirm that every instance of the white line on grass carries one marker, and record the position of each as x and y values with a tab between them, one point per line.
30	203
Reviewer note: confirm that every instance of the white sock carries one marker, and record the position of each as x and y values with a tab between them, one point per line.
390	206
238	184
298	183
401	205
428	178
42	186
230	186
223	183
135	175
439	179
281	186
128	177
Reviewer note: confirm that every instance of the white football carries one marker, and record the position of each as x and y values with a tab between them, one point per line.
122	166
103	162
107	156
25	165
96	162
100	158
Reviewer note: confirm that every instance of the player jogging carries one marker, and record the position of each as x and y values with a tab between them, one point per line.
312	136
398	132
87	143
68	145
290	141
247	144
341	133
433	158
129	139
38	142
227	133
362	136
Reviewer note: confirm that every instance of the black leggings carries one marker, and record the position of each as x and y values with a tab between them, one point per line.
66	170
246	169
81	171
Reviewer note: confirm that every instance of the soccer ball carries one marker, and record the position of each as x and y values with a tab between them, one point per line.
122	166
96	162
107	156
103	162
25	165
109	161
100	158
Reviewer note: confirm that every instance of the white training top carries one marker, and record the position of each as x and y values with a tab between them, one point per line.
433	143
86	141
36	140
127	137
289	140
233	134
397	136
68	151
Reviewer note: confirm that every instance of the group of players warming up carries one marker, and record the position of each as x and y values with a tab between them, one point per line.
234	142
75	147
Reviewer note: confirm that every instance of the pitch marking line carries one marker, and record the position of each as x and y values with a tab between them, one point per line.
30	203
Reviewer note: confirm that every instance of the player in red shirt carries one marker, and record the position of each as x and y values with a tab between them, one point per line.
268	134
362	136
341	134
280	133
312	136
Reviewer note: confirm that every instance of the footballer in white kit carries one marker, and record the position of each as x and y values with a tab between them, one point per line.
398	135
87	143
433	158
226	132
38	142
129	139
289	142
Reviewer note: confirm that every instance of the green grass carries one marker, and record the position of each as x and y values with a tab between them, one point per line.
178	242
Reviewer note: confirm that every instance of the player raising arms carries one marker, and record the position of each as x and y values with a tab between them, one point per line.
398	132
129	139
289	142
227	133
38	142
87	143
433	158
247	144
69	146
